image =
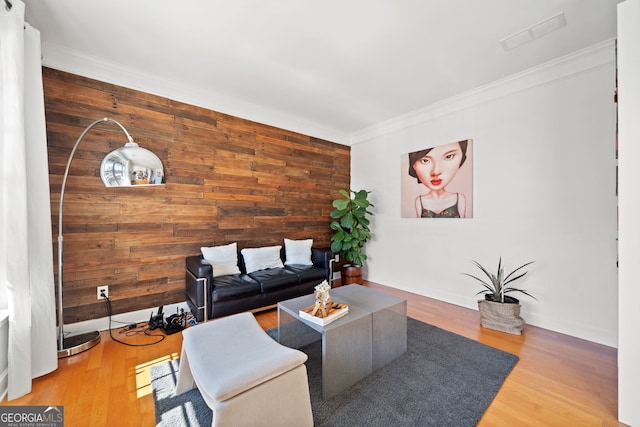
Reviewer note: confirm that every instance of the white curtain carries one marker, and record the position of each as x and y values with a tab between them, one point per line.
26	262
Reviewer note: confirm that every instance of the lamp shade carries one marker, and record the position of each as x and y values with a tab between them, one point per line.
131	165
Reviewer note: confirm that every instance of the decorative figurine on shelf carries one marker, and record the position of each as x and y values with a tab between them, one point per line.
323	299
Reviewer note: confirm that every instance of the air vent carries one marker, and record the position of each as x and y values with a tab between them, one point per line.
535	31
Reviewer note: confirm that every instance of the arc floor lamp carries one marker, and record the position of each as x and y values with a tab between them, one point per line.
124	167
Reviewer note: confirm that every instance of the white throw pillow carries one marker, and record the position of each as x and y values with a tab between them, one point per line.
224	259
298	252
262	258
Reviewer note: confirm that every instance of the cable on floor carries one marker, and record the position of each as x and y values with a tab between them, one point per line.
131	331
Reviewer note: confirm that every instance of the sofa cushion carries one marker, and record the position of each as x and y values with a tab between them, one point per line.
298	252
224	259
274	278
262	258
307	273
234	286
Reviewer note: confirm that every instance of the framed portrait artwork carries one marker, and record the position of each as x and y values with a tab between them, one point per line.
437	181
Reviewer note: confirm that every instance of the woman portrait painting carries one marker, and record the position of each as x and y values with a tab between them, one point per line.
439	170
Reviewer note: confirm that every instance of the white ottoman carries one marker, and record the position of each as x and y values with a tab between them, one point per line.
245	377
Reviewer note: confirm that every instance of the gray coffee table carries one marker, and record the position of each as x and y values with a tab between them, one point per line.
388	317
370	336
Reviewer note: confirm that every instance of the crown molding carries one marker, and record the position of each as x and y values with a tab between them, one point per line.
582	60
68	60
64	59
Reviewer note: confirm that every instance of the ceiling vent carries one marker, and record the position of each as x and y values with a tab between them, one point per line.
538	30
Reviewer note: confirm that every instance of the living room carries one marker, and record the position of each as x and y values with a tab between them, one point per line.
544	189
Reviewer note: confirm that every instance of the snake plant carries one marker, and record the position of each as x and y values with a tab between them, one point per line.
496	286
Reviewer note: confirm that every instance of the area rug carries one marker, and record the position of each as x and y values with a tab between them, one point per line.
443	379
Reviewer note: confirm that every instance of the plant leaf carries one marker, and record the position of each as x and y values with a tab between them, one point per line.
341	204
521	291
335	225
519	268
514	278
339	236
485	284
347	221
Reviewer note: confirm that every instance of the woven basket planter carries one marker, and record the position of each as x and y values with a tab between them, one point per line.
501	317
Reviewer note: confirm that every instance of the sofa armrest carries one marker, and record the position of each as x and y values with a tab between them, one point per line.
198	284
323	258
198	266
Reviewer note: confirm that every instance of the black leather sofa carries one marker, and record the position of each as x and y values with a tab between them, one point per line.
210	297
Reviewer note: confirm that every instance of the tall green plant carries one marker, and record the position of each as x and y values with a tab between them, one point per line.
351	225
496	286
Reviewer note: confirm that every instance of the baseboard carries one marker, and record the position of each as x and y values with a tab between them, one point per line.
122	319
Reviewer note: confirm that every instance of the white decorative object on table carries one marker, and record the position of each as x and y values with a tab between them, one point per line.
324	311
323	299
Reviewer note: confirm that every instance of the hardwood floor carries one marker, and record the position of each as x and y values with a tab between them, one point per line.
559	380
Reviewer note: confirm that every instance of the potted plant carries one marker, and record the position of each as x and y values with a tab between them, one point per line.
351	227
498	310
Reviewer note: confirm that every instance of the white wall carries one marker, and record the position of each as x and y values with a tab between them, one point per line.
544	190
629	134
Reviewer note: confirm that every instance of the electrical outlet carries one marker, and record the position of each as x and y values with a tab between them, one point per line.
104	289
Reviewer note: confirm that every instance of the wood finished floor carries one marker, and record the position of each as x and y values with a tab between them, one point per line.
559	380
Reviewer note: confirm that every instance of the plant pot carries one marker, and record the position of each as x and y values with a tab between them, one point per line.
350	274
504	317
507	299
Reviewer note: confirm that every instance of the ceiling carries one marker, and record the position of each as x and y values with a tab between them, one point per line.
329	69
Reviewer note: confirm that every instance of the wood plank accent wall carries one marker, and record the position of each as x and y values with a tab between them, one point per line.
228	180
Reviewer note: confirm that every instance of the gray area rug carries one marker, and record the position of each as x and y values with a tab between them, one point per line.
444	379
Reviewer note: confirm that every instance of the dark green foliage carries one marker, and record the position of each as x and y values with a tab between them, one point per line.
351	225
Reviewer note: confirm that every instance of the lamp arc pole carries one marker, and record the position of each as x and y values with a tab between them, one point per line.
80	342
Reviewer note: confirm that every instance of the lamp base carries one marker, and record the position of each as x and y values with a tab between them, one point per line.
75	344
